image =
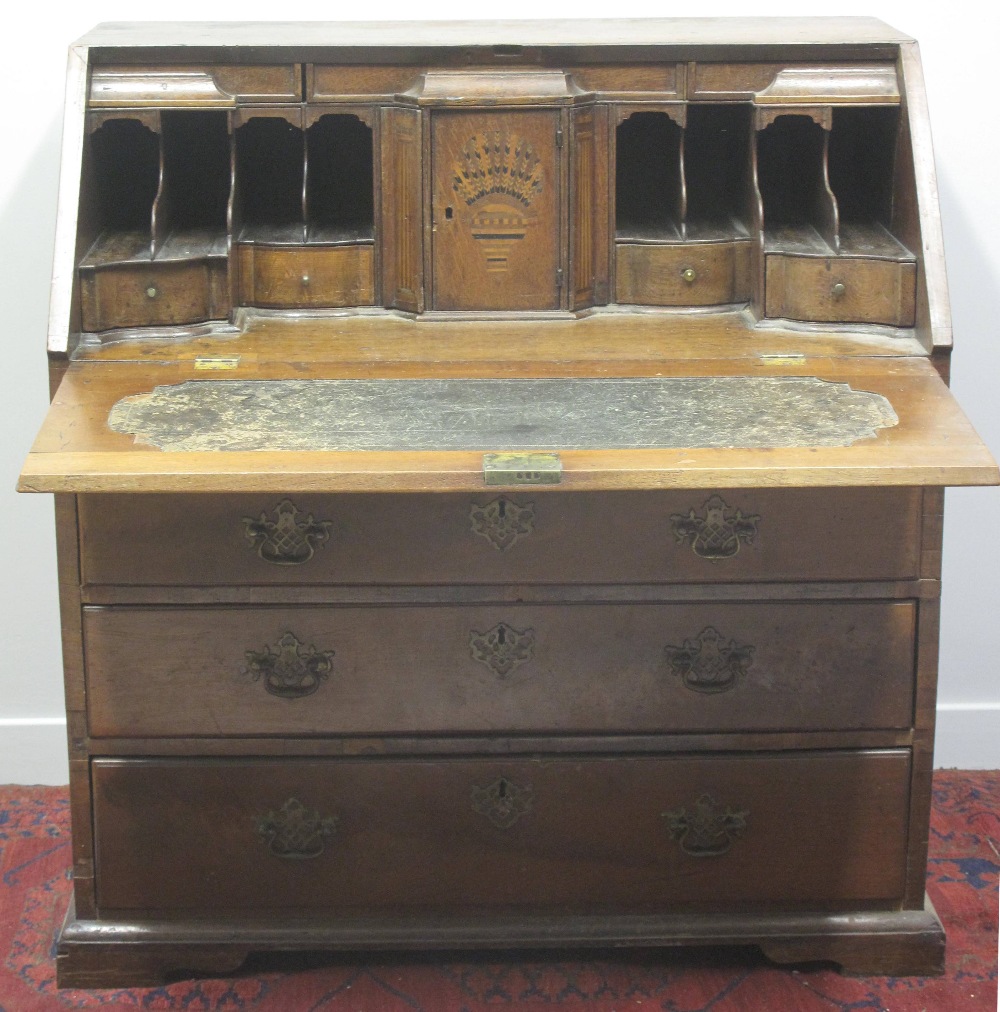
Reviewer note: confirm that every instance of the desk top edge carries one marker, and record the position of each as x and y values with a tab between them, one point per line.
605	33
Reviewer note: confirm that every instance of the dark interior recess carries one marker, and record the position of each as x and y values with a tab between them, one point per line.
862	161
717	162
790	171
197	167
648	177
126	156
270	170
340	194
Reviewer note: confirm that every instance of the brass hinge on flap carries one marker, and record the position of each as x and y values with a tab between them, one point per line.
559	137
522	468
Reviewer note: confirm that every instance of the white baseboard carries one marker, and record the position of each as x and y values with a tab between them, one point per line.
33	749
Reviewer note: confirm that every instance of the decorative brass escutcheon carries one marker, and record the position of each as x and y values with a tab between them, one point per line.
287	540
502	522
503	802
708	831
290	669
717	534
708	663
294	832
502	648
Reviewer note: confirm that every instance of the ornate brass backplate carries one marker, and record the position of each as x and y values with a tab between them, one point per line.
709	830
709	663
290	538
503	802
502	648
717	532
290	669
294	832
502	522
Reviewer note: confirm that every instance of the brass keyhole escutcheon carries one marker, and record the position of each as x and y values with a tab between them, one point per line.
839	290
152	291
690	275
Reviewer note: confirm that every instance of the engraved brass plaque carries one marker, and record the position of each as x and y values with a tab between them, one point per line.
522	468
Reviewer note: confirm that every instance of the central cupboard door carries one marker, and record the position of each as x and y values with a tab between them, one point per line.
496	210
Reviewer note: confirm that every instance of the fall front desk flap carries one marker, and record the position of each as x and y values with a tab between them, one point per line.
270	426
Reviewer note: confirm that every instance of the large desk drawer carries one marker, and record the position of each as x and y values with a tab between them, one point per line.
472	836
491	538
581	668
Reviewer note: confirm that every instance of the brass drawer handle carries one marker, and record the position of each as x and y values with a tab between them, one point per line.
708	663
717	532
152	292
839	290
287	539
290	669
502	522
708	830
295	833
503	802
502	648
690	275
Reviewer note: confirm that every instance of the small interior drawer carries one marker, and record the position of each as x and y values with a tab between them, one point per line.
691	274
478	835
286	278
155	294
841	290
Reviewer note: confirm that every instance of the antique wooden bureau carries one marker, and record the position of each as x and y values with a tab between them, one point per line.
499	481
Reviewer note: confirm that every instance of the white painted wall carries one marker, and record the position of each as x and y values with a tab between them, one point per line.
959	62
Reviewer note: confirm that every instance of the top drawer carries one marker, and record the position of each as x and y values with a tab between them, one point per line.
218	86
492	538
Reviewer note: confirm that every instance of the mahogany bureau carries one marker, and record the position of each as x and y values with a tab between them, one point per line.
499	482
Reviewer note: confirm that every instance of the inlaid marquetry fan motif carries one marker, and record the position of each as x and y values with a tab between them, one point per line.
498	177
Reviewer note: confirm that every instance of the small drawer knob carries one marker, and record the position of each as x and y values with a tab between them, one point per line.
839	290
690	275
305	280
152	291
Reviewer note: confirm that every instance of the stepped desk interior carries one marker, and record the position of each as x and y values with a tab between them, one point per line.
499	475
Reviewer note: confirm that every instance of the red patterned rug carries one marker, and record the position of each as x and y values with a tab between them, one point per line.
962	881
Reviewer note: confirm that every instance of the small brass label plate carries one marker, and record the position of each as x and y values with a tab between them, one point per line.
522	468
792	358
204	363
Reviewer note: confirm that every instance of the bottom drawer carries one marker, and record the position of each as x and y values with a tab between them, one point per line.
466	836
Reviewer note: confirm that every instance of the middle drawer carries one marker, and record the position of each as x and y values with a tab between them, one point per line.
556	668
